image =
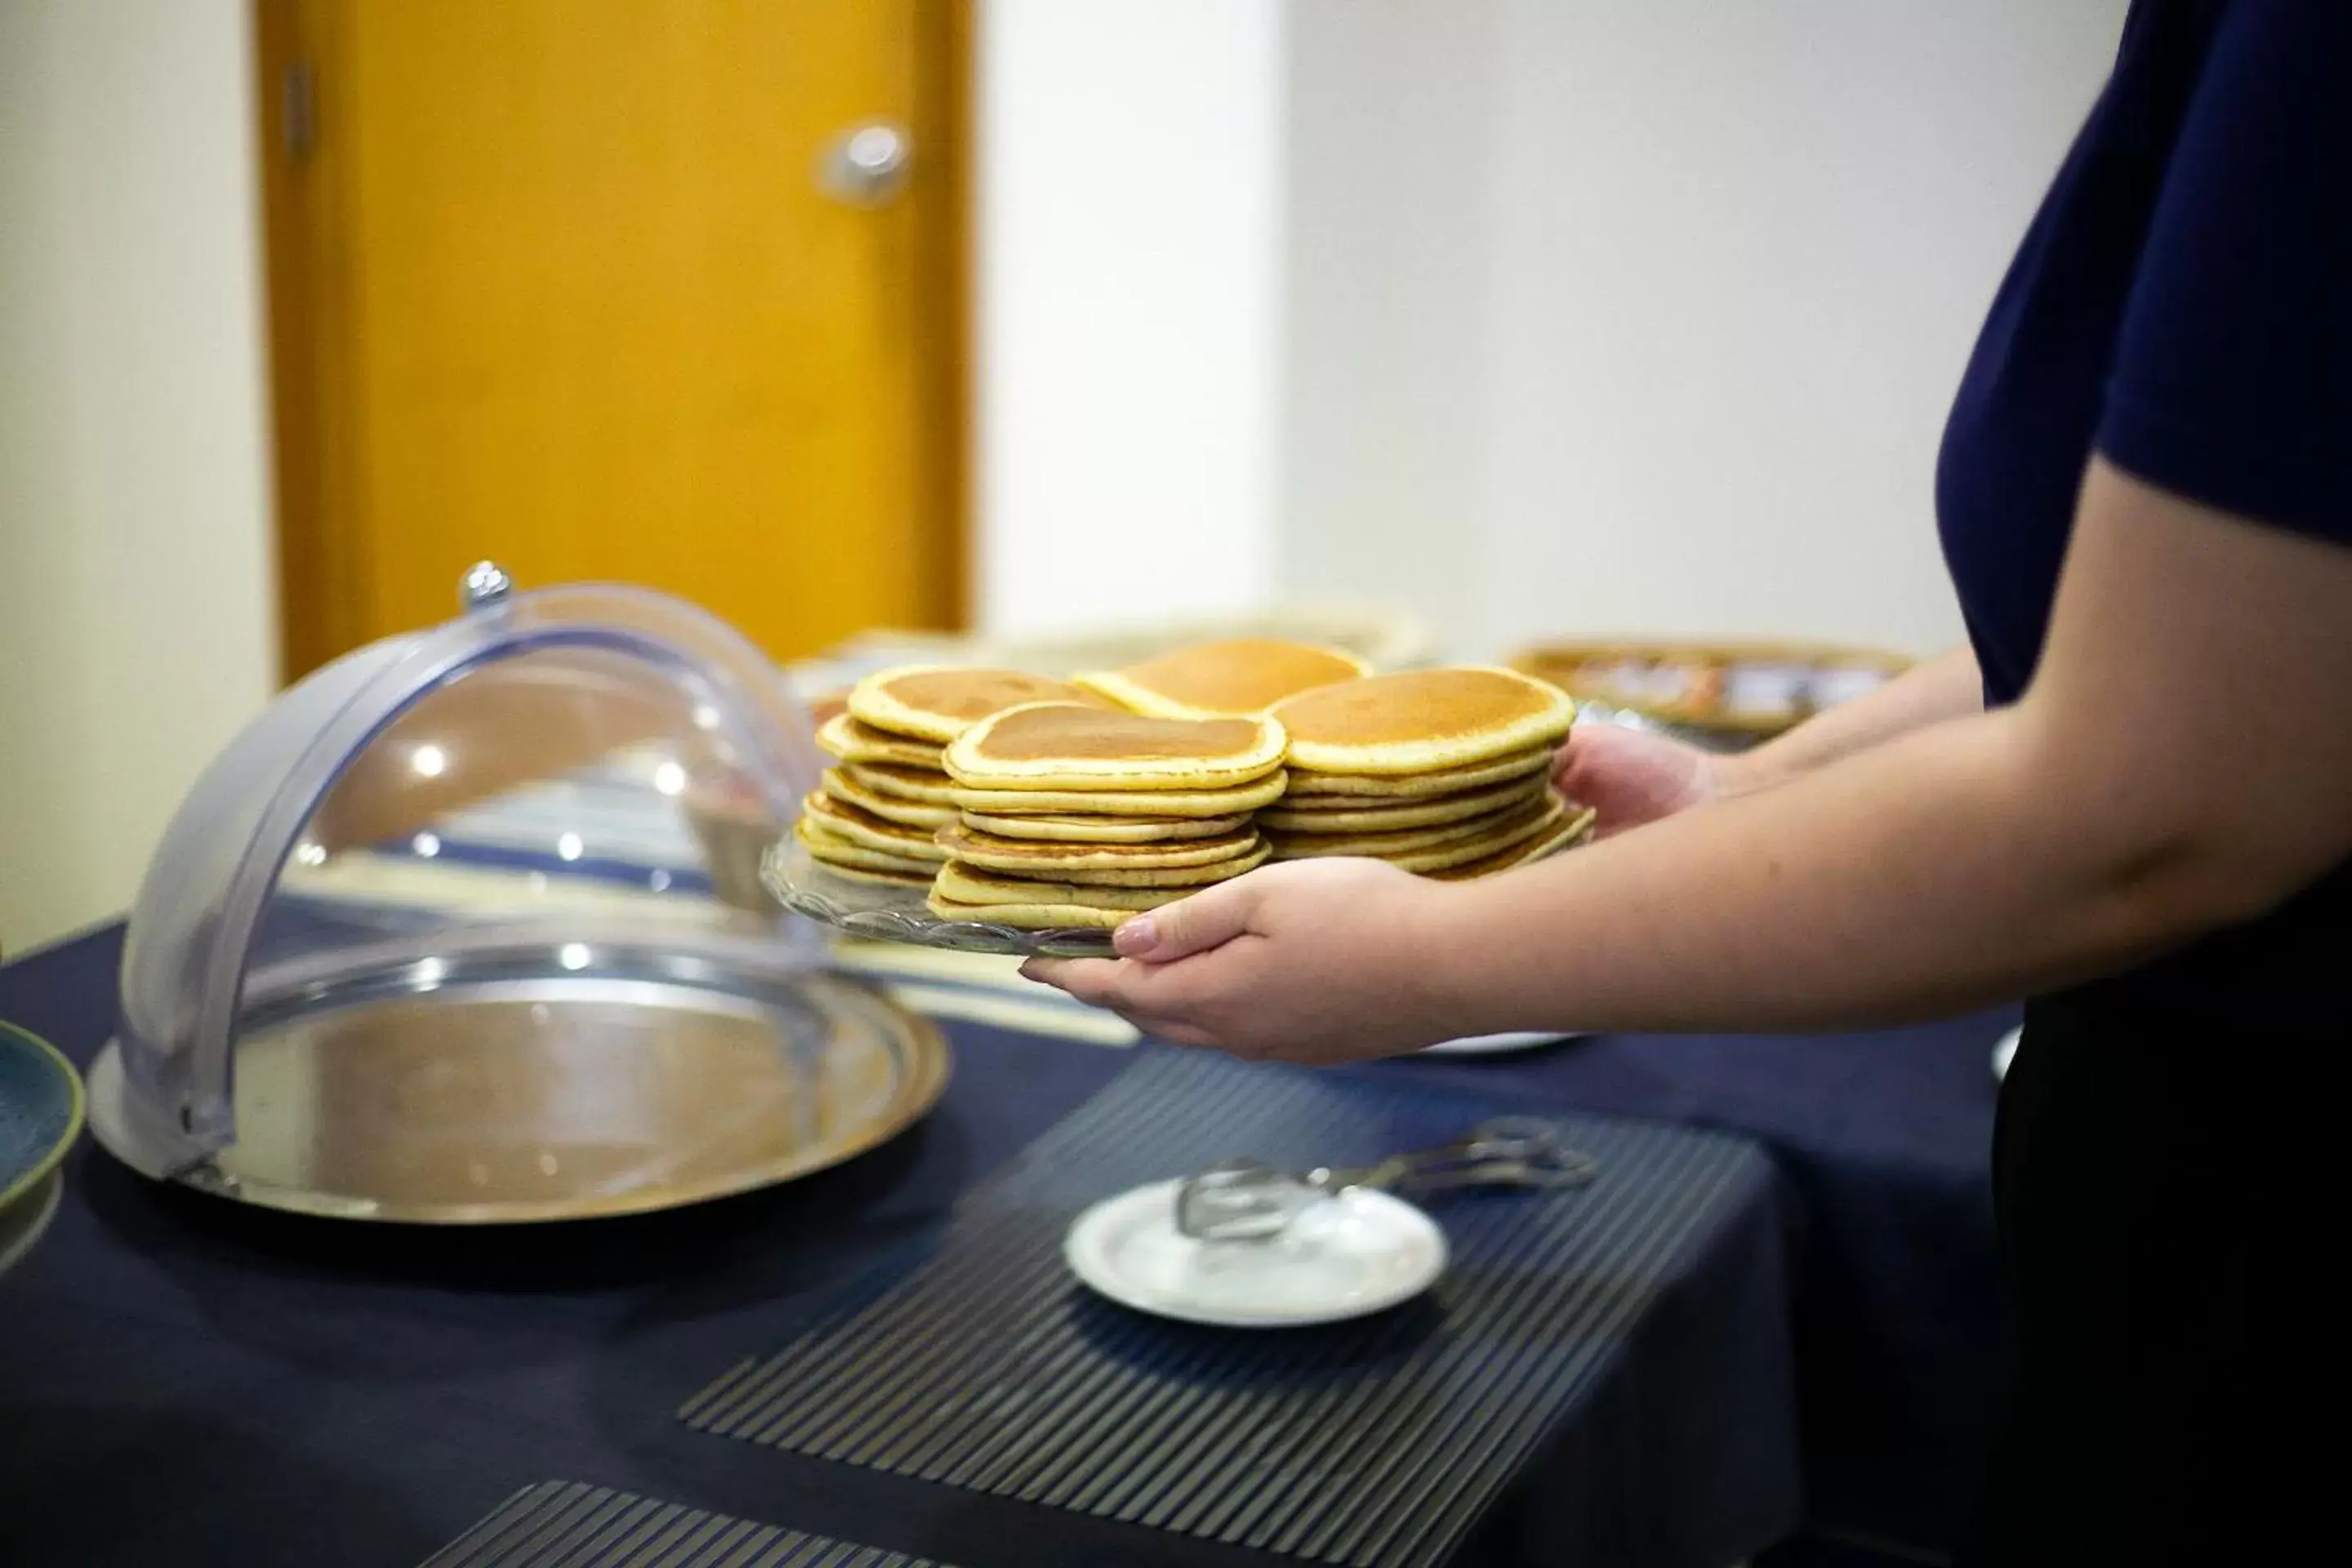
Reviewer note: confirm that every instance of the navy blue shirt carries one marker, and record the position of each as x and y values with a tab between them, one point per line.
2182	306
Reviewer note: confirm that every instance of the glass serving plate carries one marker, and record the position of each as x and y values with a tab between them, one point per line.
893	911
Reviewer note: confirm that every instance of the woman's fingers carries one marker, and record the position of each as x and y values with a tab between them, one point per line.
1207	918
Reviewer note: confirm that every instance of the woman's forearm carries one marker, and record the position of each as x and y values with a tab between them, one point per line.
1948	686
2131	800
1923	877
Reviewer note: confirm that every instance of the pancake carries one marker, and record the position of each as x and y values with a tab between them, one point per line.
1394	841
1534	828
1420	721
1080	830
1313	786
965	885
821	813
1427	848
846	737
1572	828
1167	877
921	879
845	787
1237	801
839	853
1065	746
1342	814
1037	858
928	785
1238	678
1036	917
939	702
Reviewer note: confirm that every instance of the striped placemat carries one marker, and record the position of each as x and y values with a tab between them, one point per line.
1379	1443
563	1524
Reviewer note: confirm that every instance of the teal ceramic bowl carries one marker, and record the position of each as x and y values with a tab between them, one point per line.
40	1111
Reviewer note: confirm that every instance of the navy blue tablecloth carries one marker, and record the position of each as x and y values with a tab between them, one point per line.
176	1371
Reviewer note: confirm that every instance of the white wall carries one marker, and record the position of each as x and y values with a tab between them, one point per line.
1642	315
1386	304
1539	316
1130	168
135	617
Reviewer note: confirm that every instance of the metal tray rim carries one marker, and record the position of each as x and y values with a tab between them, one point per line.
923	1044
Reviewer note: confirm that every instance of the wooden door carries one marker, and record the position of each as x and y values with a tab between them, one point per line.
557	282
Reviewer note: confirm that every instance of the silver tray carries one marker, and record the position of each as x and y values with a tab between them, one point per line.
502	1087
889	912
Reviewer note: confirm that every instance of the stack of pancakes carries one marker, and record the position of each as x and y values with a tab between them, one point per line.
1237	679
877	812
1077	816
1442	772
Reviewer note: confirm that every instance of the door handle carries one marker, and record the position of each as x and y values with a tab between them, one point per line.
866	164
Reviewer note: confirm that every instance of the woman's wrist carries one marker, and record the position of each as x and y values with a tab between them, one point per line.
1438	962
1729	774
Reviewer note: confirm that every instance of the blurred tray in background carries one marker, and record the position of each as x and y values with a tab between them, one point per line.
1728	693
1387	639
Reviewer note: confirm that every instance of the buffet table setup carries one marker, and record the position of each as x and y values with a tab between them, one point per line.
195	1382
486	1169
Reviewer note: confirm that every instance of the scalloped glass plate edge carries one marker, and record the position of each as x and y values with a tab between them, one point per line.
889	911
892	913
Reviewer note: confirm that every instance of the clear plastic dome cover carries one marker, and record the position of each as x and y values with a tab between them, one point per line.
549	782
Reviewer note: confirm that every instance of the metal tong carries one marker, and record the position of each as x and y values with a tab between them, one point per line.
1244	1200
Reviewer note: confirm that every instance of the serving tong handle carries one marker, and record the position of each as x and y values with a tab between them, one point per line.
1246	1200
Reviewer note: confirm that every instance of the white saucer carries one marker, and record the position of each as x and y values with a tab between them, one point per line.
1358	1253
2002	1052
1493	1045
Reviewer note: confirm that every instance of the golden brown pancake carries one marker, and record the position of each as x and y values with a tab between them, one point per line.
966	885
1383	845
1313	787
1070	828
1164	877
839	852
1237	801
1238	678
1425	849
1038	917
939	702
844	787
928	786
1420	721
1534	828
838	820
1573	829
1063	746
856	873
851	741
1344	813
1036	858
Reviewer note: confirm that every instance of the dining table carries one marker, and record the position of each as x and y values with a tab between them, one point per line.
1791	1339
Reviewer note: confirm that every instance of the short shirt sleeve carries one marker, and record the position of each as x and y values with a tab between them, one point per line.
2231	382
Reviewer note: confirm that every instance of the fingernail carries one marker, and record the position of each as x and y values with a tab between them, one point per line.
1028	969
1136	938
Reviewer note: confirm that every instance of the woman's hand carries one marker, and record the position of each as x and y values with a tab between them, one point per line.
1312	960
1634	776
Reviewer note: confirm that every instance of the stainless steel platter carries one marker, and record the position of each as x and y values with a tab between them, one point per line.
490	1089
